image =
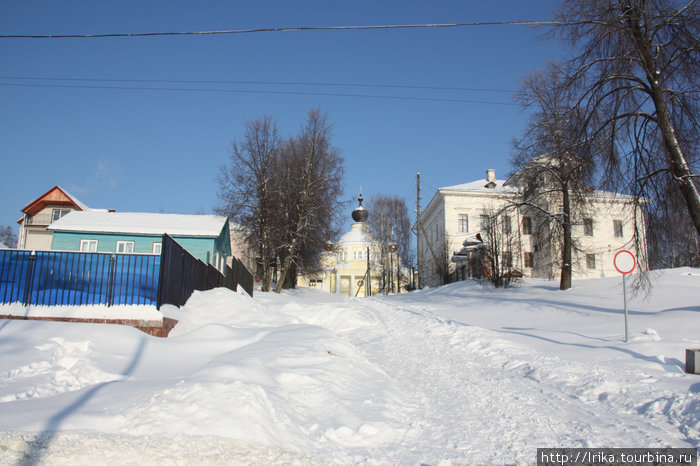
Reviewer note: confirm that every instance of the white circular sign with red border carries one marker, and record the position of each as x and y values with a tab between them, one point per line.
624	262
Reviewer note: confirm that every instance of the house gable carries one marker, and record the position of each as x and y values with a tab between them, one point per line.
55	196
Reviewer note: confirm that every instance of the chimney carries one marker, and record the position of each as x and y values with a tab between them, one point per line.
490	178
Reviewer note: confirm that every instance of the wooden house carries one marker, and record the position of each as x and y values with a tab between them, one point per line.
42	212
206	237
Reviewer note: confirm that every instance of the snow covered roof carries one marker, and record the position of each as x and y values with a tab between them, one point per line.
481	186
142	223
359	234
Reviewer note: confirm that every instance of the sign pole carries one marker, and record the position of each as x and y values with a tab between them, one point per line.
625	262
624	294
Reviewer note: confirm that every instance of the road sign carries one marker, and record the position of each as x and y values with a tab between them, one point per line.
624	262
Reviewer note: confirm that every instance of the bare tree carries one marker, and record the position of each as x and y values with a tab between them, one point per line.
309	185
500	249
8	237
638	64
390	223
246	192
554	157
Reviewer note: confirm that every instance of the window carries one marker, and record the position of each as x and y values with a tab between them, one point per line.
617	225
507	260
125	247
484	222
506	225
463	223
590	261
157	248
58	213
528	259
527	226
588	227
88	245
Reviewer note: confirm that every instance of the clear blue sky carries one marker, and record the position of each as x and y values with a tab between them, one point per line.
159	150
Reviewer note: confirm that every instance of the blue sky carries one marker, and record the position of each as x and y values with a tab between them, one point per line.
159	150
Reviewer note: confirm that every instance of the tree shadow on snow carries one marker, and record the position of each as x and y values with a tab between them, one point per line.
668	365
37	447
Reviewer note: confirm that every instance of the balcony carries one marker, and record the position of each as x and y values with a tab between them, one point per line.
39	220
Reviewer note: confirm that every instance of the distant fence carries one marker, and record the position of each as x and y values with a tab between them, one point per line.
54	278
181	274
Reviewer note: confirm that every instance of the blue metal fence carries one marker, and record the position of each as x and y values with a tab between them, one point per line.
75	278
54	278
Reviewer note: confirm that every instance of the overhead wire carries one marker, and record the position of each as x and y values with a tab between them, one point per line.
289	29
248	91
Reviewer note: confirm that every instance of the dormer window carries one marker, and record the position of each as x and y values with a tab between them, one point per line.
58	213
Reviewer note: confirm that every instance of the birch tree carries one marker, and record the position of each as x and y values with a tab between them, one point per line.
309	186
390	223
246	190
554	158
638	63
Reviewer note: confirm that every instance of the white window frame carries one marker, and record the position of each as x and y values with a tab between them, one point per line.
60	212
88	245
157	248
125	245
587	227
463	223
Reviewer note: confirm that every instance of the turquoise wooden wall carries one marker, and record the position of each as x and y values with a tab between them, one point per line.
143	244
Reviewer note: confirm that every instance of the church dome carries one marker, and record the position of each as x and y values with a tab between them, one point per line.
360	214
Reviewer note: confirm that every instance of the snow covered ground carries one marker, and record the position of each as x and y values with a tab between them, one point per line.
457	374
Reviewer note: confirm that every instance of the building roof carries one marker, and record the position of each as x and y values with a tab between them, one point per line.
54	196
141	223
359	234
481	186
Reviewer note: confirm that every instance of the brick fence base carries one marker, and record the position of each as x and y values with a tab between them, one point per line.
151	327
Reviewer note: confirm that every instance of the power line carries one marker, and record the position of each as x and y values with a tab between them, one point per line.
282	83
241	91
288	29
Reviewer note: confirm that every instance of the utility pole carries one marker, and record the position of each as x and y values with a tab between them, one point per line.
418	230
368	286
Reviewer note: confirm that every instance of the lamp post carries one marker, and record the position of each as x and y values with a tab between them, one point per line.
392	250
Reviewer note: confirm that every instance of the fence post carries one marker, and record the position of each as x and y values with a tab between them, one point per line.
111	273
30	272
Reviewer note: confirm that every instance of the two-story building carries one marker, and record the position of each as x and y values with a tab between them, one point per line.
42	212
457	214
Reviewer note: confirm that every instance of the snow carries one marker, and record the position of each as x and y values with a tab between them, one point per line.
135	312
141	223
462	373
481	186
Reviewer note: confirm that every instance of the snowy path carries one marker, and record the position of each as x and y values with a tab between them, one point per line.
484	399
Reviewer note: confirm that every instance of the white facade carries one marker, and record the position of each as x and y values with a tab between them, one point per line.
457	213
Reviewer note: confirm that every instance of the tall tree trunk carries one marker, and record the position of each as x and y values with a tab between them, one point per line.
291	251
677	161
565	282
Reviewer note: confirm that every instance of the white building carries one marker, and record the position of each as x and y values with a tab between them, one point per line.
456	214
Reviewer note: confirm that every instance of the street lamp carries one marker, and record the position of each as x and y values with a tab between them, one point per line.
392	250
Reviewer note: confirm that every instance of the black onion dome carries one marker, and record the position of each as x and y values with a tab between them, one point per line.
360	214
